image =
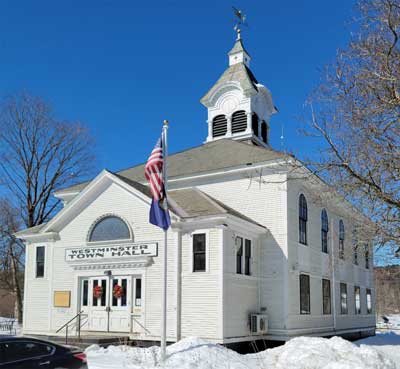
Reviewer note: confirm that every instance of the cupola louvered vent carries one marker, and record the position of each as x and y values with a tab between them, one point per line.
219	127
239	121
254	124
264	132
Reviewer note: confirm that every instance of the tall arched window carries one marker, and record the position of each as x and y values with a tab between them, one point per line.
254	124
264	132
324	231
109	228
341	239
303	217
219	126
239	121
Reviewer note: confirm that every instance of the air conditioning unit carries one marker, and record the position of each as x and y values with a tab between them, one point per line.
258	323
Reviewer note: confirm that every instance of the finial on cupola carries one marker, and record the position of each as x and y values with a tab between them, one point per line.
238	54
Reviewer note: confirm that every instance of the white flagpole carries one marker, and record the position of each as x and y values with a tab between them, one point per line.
165	205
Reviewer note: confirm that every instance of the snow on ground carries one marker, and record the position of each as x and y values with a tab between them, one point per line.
18	328
298	353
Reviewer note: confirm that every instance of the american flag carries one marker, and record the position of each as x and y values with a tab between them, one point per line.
154	171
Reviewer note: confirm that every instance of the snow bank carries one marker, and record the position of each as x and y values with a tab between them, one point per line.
195	353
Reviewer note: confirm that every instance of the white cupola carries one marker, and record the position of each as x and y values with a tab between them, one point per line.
238	106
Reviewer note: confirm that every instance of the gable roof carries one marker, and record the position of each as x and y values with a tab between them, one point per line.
235	73
216	155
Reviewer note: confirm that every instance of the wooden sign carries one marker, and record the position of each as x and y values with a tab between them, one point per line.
62	299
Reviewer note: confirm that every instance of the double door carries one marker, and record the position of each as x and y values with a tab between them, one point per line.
108	302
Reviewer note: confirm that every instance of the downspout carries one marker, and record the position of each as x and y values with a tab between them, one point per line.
178	285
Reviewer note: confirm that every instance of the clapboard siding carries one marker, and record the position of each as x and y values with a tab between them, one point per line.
312	261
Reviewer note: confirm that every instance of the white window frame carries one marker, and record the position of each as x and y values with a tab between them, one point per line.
35	262
207	233
244	238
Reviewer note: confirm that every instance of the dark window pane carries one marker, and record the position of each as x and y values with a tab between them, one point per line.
123	297
199	263
369	301
357	300
110	228
303	217
199	242
95	284
343	298
199	252
138	291
239	254
326	296
85	292
304	294
247	257
103	296
114	299
40	259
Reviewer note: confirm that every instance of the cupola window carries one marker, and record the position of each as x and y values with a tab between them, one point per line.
108	229
254	124
219	126
264	132
239	121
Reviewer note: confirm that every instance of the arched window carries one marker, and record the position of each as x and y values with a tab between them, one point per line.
341	239
324	231
264	132
355	247
303	217
239	121
108	229
219	126
254	124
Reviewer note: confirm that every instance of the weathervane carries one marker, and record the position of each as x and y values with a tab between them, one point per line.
240	20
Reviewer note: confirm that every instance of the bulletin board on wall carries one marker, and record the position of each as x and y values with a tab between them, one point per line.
62	298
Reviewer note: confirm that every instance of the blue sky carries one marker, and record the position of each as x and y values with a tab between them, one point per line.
121	67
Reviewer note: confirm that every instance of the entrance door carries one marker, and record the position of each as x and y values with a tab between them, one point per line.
137	306
106	303
98	304
120	302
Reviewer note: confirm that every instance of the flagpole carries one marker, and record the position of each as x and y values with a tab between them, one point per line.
164	302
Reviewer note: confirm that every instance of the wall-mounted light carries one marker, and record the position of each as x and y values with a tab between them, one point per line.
108	272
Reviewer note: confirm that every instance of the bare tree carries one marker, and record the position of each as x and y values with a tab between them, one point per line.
356	112
11	255
38	155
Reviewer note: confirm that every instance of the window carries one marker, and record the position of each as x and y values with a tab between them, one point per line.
247	257
264	132
40	258
239	254
369	301
326	296
357	300
239	121
304	294
366	256
324	231
199	252
341	239
303	216
343	298
355	247
108	229
26	350
254	124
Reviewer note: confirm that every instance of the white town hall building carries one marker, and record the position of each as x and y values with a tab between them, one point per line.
255	249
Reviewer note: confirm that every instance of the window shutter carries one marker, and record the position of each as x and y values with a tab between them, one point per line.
254	124
239	121
219	126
